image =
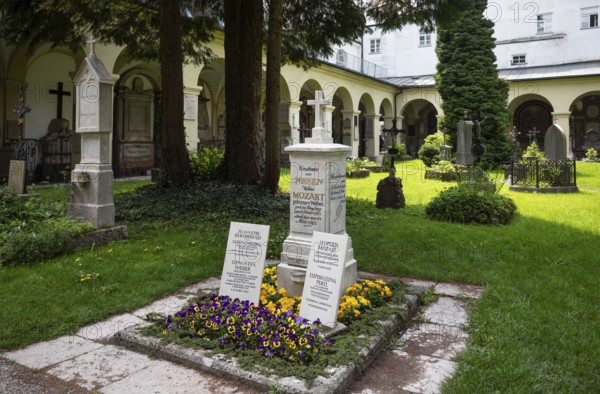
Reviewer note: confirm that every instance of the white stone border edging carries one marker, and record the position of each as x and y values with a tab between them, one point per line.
219	364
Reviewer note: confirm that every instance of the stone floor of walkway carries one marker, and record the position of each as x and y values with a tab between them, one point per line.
88	361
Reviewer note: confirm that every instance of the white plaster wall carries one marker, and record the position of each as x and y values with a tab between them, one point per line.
43	73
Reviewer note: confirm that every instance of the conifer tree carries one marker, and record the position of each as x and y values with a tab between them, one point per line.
467	78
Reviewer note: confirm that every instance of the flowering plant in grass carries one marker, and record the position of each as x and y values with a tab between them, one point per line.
242	325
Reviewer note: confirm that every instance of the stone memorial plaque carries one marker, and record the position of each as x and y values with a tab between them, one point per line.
308	196
324	278
318	196
190	106
137	152
244	261
16	176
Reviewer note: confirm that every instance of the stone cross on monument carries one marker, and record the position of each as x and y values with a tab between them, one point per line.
319	102
319	132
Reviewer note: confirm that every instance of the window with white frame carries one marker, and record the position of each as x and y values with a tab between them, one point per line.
341	57
424	38
544	23
518	59
375	45
589	17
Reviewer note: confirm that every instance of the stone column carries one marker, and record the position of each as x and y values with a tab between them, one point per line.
562	119
294	115
372	134
92	178
190	115
328	110
349	132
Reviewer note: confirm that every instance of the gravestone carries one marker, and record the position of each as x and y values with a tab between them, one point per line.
464	143
317	201
324	278
555	143
92	178
446	152
244	261
16	176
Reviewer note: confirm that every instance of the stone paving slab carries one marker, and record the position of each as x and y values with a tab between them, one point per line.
459	290
435	340
163	306
427	373
447	311
164	377
43	354
210	284
100	367
105	330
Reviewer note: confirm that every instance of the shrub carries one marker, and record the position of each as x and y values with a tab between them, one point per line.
205	161
533	150
470	203
31	231
591	155
429	152
356	164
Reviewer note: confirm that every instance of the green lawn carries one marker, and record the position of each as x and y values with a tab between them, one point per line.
534	330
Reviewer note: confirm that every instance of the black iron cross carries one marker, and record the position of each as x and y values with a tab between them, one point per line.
59	93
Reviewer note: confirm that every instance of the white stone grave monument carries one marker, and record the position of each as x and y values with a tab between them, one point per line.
92	178
317	201
244	261
324	281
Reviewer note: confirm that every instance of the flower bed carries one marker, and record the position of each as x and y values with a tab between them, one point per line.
333	368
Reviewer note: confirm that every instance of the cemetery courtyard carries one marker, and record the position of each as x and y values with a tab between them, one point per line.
533	330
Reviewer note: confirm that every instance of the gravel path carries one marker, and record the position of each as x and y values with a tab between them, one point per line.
16	379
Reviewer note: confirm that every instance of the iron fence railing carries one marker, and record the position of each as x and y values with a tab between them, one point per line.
543	173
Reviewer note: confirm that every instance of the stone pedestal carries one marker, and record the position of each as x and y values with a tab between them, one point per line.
93	194
464	143
317	203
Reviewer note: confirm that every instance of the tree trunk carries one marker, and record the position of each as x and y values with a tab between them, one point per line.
273	90
244	138
175	161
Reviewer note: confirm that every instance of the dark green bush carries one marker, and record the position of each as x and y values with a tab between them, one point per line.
205	161
32	231
470	204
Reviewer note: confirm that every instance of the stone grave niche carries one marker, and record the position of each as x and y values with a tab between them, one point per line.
317	203
555	143
592	140
464	143
92	178
134	146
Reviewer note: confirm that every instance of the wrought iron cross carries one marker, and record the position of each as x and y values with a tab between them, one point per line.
21	109
319	102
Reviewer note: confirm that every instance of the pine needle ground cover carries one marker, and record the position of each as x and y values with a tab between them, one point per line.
534	329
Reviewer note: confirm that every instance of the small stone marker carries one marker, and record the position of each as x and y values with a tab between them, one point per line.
16	176
324	278
555	143
244	261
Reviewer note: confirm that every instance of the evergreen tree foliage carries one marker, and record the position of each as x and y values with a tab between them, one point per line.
467	78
